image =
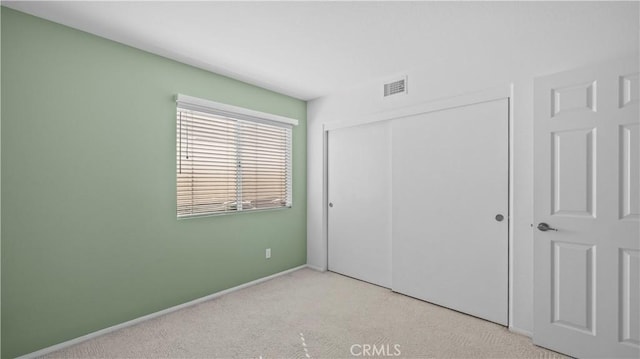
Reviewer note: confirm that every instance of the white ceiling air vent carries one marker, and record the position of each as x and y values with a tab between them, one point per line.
395	87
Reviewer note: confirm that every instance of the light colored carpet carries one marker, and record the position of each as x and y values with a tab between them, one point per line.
333	315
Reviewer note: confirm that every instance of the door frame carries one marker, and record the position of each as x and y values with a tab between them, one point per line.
491	94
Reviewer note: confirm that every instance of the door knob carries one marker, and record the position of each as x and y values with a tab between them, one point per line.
545	227
330	204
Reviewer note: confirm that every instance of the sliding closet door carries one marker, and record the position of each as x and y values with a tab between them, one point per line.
360	202
450	203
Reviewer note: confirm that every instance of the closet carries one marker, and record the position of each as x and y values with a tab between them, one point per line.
419	204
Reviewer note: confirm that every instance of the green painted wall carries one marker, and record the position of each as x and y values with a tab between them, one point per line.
89	232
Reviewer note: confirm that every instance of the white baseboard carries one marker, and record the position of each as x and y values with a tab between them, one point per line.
526	333
129	323
319	269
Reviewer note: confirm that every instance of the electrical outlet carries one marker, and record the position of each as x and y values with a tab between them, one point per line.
267	253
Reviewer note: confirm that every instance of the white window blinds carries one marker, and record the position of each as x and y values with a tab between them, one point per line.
230	159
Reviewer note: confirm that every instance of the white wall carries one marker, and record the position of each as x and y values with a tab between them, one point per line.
513	43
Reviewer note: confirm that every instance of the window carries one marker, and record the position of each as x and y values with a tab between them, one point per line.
230	159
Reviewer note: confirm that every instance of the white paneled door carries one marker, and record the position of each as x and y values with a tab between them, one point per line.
587	208
450	208
359	213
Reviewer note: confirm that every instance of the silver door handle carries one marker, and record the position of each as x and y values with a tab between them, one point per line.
545	227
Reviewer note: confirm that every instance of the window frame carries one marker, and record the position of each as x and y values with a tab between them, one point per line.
240	115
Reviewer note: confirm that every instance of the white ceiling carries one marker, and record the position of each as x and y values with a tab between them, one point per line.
310	49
